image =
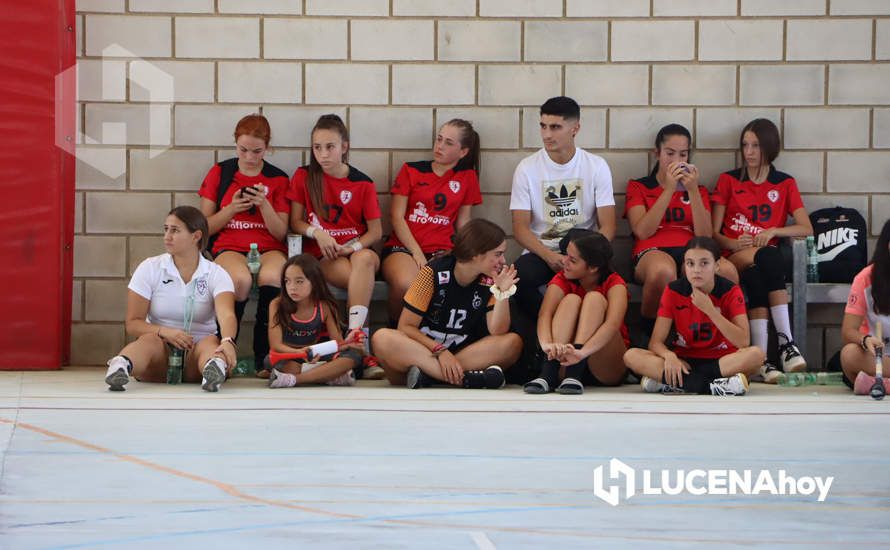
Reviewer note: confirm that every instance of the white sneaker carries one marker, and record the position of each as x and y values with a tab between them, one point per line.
214	374
733	385
118	373
769	373
278	379
345	379
650	385
792	359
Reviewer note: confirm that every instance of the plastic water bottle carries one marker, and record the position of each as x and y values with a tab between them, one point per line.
175	359
812	261
253	262
794	379
244	367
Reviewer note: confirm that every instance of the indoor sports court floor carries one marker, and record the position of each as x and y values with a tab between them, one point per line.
379	467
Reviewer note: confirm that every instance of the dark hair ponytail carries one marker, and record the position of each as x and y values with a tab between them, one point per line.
880	272
596	251
669	130
704	243
469	139
477	236
194	221
314	183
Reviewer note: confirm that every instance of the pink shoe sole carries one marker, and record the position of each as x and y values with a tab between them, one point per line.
864	382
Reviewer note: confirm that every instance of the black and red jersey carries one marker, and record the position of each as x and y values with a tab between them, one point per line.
305	332
453	315
246	227
697	335
571	286
753	207
434	202
675	228
348	205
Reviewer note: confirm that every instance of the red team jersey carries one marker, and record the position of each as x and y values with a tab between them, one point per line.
697	336
245	228
433	203
348	203
752	207
675	228
569	286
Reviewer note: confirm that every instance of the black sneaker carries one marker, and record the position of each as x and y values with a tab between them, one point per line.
769	373
491	378
417	378
792	360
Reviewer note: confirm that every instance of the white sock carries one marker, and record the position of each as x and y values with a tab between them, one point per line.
781	321
759	333
357	317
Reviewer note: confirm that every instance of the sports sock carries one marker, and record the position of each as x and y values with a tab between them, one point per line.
781	321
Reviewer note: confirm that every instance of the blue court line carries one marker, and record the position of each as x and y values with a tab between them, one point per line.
390	518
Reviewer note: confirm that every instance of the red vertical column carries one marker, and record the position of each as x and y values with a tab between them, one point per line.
37	125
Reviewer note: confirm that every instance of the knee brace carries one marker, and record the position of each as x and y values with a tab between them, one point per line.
772	271
755	290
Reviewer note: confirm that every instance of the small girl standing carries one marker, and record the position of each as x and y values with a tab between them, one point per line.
581	323
304	314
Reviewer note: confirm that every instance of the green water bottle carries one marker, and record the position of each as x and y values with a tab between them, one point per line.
795	379
175	360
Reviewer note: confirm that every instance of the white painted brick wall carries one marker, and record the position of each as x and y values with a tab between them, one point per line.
782	85
653	40
783	7
607	8
143	36
720	128
347	7
272	7
858	172
693	84
810	40
566	40
740	40
858	84
405	40
479	40
395	70
453	8
266	82
520	8
305	38
218	37
826	128
518	84
172	6
433	84
347	83
608	84
701	8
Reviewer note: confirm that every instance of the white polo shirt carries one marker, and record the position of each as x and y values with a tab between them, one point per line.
158	281
561	196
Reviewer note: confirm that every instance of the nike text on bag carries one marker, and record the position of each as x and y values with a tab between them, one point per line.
841	247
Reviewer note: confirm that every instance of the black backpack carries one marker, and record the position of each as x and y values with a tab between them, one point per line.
226	176
840	237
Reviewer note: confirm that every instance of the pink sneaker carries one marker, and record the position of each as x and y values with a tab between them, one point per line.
278	379
863	383
345	379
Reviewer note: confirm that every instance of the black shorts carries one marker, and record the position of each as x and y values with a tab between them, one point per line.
404	250
216	255
710	366
590	379
675	252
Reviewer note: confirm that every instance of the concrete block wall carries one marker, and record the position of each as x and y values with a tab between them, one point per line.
162	83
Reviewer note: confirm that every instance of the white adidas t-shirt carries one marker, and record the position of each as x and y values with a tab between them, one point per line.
158	281
561	196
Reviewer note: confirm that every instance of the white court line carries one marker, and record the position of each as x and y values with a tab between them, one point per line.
482	541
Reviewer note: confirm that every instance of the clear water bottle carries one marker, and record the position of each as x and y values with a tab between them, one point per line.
794	379
175	360
812	261
253	262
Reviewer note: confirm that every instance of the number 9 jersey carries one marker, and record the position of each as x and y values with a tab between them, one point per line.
753	207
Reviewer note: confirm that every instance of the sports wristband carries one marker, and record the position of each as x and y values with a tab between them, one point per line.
862	342
502	294
310	231
356	246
